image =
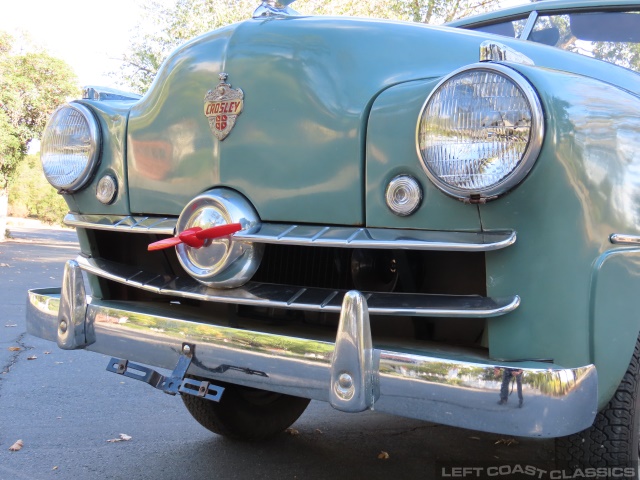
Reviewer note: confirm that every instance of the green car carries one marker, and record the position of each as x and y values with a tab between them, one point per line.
378	215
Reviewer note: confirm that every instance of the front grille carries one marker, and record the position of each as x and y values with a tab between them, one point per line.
369	270
406	271
453	273
306	266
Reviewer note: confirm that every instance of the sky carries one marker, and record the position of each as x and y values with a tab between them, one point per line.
90	35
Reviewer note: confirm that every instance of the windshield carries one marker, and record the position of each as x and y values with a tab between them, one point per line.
610	36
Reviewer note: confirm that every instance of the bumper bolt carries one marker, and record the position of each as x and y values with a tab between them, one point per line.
63	326
345	381
186	349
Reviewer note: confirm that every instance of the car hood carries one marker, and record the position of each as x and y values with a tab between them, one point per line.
297	149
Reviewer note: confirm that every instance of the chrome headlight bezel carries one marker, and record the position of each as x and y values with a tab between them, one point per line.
82	179
531	151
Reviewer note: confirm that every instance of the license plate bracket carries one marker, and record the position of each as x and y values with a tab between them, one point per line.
175	383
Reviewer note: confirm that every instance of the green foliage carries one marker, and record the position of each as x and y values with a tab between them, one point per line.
167	25
32	85
32	196
170	23
624	54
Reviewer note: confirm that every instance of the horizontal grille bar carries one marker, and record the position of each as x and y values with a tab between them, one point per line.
156	225
318	235
350	237
309	299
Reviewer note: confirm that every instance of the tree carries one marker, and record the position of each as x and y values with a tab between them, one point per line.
176	21
173	23
32	85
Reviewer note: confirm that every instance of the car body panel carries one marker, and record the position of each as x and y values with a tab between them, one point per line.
614	317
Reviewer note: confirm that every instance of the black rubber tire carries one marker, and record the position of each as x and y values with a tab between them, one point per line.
612	441
245	413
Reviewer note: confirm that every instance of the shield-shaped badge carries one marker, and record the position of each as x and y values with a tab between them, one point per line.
222	105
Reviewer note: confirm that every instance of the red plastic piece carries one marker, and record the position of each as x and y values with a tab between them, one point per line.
195	237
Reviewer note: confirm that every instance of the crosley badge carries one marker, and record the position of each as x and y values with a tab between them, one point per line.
222	105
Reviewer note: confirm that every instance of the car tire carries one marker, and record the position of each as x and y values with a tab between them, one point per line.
612	440
247	414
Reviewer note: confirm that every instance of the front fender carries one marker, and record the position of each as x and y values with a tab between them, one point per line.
580	191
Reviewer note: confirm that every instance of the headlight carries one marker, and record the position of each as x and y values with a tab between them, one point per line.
69	148
480	132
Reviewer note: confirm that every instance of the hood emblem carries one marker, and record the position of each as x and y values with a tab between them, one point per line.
222	105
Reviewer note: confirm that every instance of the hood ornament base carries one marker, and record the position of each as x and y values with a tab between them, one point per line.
273	8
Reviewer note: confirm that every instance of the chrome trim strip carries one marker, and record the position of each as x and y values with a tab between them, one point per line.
622	239
383	238
492	51
296	298
558	401
317	235
92	92
141	224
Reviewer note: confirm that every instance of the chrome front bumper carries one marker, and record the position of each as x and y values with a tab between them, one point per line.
350	374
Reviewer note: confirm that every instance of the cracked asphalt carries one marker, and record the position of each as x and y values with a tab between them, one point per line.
64	406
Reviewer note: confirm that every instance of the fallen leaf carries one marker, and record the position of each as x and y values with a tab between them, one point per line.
9	325
123	437
383	455
47	353
474	438
16	446
319	431
4	265
32	357
507	441
14	349
292	431
55	468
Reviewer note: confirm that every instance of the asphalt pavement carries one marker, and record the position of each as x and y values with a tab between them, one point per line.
65	406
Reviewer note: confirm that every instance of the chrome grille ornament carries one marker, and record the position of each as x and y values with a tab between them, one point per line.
223	262
273	8
222	105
